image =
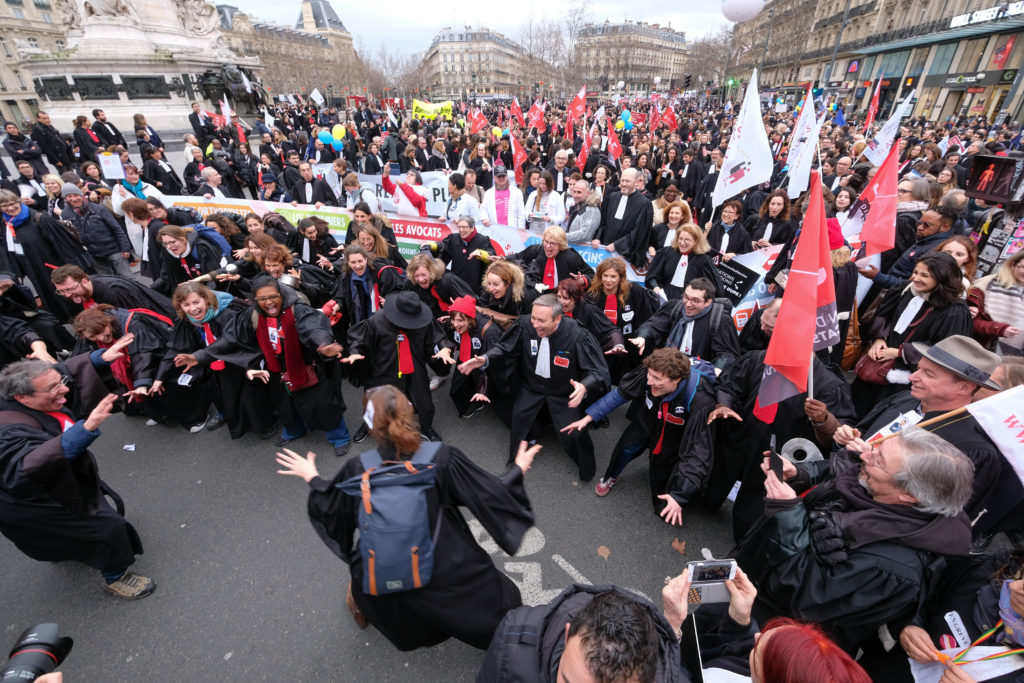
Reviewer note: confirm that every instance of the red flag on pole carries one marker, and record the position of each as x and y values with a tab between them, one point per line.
653	118
519	158
873	108
578	104
477	121
581	160
668	117
614	146
878	205
518	112
807	320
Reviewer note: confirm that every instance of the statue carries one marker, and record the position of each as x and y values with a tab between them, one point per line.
70	15
25	49
121	9
198	17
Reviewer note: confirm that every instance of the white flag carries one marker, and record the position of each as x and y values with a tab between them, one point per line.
1002	418
879	147
269	118
748	160
599	116
225	110
245	82
801	149
943	145
317	97
391	118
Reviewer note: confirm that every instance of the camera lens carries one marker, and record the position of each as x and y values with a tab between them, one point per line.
39	651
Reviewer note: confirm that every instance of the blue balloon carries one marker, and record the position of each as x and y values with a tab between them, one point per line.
325	137
338	145
505	132
629	125
626	115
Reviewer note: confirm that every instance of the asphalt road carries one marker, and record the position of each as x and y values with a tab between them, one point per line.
247	592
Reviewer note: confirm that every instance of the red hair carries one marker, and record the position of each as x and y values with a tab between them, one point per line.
802	653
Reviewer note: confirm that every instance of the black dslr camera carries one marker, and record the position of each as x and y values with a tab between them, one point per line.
39	651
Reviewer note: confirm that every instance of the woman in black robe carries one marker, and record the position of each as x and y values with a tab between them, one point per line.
627	305
467	250
771	225
203	317
505	295
668	277
473	333
436	287
160	174
467	596
33	244
360	291
927	310
184	257
567	264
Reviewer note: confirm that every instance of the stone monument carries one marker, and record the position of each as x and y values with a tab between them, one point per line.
153	57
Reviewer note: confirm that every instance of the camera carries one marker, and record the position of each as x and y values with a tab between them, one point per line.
39	651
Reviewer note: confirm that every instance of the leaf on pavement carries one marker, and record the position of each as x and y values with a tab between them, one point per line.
603	551
679	546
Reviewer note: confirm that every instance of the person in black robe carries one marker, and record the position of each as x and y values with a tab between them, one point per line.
395	346
18	340
468	251
727	236
160	174
558	363
627	305
467	596
473	333
565	263
203	317
310	190
742	449
626	221
85	291
674	267
689	176
53	505
296	349
33	244
435	286
702	206
360	291
184	257
17	301
772	224
575	305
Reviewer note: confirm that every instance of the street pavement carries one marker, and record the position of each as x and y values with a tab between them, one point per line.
247	592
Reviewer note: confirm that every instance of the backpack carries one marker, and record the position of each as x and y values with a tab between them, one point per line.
210	235
395	538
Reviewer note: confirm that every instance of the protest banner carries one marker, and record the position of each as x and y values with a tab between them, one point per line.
428	110
737	279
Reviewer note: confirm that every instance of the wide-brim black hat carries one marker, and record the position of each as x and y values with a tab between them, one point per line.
405	310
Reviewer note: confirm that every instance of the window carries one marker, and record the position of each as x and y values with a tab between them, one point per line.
33	43
18	14
21	81
7	48
61	44
47	17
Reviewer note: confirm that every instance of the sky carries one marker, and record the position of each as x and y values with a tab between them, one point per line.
408	26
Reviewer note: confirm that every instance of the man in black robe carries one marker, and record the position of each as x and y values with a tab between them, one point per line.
626	220
559	363
396	343
86	291
17	301
106	131
311	190
18	340
52	501
51	142
697	325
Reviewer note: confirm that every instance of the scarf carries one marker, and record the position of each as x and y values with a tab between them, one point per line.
292	347
472	236
135	189
1006	305
465	347
92	135
360	285
676	336
611	308
120	368
19	218
223	300
405	364
911	206
550	274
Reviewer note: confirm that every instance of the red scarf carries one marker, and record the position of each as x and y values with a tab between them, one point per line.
549	274
92	134
120	368
465	347
241	134
663	414
440	301
611	309
89	303
469	239
292	347
210	338
190	271
62	419
405	364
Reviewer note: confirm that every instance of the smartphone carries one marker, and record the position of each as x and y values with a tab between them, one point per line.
775	460
707	580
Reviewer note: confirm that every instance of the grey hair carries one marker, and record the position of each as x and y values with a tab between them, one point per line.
469	220
16	379
920	190
935	472
954	199
209	171
549	301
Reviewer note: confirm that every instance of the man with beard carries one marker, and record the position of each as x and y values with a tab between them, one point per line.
626	221
86	290
106	131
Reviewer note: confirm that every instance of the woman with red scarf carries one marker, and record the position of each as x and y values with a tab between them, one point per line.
295	352
468	252
627	305
556	262
86	139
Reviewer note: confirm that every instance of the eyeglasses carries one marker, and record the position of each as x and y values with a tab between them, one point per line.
55	389
874	458
68	290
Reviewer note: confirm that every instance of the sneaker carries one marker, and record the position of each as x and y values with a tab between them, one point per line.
131	586
604	486
151	422
472	410
341	450
361	433
195	429
429	434
215	422
435	382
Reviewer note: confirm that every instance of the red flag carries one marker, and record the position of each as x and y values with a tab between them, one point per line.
614	146
878	207
519	158
568	131
581	160
517	112
477	121
578	104
536	116
668	117
873	108
807	319
654	118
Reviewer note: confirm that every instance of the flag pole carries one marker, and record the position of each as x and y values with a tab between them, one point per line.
810	378
930	421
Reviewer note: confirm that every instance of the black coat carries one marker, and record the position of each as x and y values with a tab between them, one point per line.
108	134
630	234
52	142
739	239
663	269
87	148
167	181
321	192
467	596
24	148
756	226
567	263
456	252
720	346
440	294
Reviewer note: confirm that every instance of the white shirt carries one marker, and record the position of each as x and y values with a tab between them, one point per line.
679	279
544	358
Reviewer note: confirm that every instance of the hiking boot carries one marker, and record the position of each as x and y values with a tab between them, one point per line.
604	486
215	422
131	586
361	433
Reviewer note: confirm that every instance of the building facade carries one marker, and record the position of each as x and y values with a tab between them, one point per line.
959	57
473	63
643	57
27	28
317	52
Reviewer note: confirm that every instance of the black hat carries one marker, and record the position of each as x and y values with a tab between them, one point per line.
269	178
500	170
405	310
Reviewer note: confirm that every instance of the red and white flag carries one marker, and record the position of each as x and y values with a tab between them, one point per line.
1002	418
614	146
873	215
519	158
578	104
477	121
581	160
748	159
517	112
873	107
536	116
808	320
668	117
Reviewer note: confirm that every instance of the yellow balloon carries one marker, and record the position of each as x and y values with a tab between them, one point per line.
496	132
620	124
338	131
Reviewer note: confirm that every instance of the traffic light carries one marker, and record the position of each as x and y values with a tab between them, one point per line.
730	82
686	84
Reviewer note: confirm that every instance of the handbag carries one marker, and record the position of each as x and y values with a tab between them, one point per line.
877	371
852	349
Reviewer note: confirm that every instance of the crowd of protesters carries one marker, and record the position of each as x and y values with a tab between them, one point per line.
121	301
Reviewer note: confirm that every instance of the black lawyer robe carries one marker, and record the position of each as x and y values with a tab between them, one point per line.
663	269
630	234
